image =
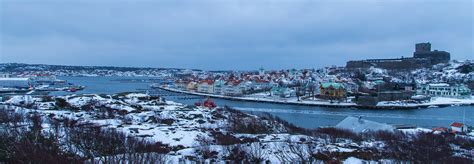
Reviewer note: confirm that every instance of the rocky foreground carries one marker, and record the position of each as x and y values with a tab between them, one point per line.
136	127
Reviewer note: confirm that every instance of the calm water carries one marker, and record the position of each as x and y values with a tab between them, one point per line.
305	116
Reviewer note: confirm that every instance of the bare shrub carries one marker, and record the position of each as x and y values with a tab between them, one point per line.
235	153
62	103
256	152
204	148
225	139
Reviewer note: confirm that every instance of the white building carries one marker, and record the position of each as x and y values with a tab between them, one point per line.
261	72
180	85
206	86
231	90
457	127
443	90
219	87
2	75
15	82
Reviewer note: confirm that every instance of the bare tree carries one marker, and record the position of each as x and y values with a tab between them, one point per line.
256	152
204	147
282	153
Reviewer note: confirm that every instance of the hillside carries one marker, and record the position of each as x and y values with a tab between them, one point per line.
134	126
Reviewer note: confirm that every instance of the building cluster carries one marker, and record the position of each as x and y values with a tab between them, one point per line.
363	82
329	83
285	83
37	82
443	90
25	82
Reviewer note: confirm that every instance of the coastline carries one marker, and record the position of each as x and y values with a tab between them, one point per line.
314	103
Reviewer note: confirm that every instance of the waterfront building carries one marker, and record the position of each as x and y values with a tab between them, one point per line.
233	88
259	84
444	90
180	84
457	127
206	86
332	91
218	87
191	86
15	82
245	85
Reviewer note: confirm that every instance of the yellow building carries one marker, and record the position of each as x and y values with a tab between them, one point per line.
192	86
332	91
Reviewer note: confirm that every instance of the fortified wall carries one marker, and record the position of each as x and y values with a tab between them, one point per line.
423	57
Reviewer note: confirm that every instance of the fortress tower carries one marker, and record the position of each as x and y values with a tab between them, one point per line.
422	47
423	50
423	57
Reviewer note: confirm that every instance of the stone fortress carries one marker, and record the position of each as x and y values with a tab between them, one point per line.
423	57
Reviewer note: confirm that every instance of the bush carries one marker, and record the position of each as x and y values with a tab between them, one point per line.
240	122
26	145
236	154
167	121
421	147
47	99
62	103
466	68
225	139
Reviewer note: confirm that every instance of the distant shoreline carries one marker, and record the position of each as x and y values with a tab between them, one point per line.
320	104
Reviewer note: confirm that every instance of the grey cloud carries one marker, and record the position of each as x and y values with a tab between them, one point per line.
229	34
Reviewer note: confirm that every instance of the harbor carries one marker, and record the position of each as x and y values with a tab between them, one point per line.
318	103
300	115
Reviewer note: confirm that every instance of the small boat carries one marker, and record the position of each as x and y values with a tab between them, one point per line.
209	103
73	89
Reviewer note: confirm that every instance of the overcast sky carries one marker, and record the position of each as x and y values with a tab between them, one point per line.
229	34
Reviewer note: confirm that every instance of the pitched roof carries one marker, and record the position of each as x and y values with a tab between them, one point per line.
441	129
359	125
209	82
334	85
457	124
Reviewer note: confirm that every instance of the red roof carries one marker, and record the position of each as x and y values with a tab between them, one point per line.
209	82
233	82
441	129
457	124
260	81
